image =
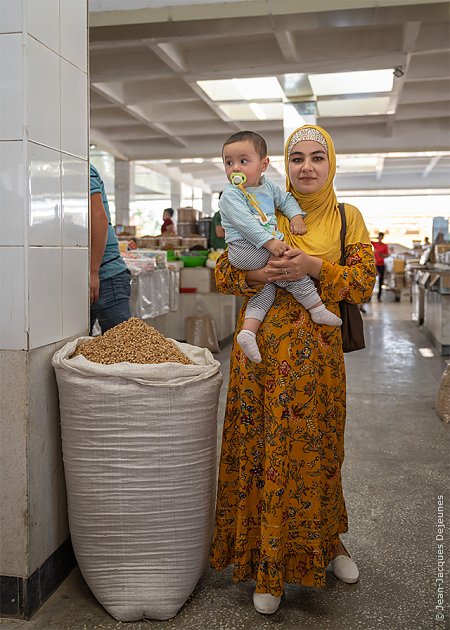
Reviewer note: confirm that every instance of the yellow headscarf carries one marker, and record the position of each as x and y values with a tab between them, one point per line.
323	220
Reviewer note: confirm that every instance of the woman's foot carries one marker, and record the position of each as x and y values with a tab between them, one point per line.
247	340
343	566
265	603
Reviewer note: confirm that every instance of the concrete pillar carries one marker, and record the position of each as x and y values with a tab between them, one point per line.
207	204
44	235
296	114
175	194
122	188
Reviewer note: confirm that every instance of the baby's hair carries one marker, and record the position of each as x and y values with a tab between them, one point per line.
249	136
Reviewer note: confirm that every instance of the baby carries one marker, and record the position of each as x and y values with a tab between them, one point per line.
247	207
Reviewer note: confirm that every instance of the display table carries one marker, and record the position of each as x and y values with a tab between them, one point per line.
222	308
156	298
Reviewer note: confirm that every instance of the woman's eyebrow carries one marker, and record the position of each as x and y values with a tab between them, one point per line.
321	151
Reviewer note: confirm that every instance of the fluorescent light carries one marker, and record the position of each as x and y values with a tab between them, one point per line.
264	88
426	352
354	106
362	82
356	163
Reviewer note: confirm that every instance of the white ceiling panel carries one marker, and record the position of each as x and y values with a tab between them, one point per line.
145	64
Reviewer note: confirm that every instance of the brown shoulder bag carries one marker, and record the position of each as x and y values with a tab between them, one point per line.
352	328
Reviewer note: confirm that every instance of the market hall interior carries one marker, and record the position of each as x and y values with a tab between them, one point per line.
133	86
396	468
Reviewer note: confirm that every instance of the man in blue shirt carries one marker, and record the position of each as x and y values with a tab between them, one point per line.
109	276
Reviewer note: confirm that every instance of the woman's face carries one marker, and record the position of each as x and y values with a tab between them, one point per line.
308	166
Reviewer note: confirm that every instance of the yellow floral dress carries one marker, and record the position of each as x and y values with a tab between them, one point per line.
280	506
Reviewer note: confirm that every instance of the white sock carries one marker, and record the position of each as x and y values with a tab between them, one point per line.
321	315
247	340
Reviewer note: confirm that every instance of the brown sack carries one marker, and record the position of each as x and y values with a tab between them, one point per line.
443	396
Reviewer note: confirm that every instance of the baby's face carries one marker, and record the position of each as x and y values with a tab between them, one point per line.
242	157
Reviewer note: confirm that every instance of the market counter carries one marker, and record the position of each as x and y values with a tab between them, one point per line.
165	298
433	297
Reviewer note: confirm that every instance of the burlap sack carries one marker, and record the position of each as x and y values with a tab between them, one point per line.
443	396
139	449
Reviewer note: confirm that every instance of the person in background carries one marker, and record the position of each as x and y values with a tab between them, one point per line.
109	281
381	252
280	506
217	234
168	226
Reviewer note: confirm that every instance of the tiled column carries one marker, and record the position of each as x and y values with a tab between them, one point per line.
43	279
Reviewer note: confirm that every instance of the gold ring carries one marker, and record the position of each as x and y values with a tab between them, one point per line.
285	271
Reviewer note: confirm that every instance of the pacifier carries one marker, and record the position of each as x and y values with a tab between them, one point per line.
238	178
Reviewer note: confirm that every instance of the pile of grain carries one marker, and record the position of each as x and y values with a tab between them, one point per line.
132	341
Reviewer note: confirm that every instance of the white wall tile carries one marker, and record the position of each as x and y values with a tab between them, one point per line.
45	189
10	16
12	200
75	291
43	21
11	87
75	204
74	110
12	303
44	295
43	94
73	25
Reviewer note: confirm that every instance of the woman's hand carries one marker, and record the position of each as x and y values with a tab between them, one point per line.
293	265
256	277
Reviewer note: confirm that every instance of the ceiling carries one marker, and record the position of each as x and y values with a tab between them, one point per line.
146	59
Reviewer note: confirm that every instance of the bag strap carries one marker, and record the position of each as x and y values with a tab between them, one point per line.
343	231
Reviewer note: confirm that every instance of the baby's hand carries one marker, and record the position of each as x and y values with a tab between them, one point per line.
297	225
276	247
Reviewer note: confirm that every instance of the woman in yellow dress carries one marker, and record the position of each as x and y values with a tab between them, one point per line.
280	506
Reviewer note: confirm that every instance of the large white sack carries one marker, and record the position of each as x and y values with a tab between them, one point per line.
139	449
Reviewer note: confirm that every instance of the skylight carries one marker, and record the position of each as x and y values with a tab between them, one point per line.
354	106
361	82
265	88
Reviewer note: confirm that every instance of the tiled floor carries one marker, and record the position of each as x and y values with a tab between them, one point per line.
397	464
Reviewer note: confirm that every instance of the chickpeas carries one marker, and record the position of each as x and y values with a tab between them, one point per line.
132	341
